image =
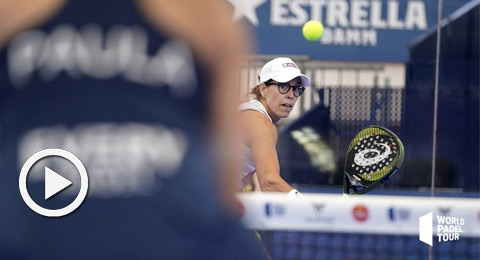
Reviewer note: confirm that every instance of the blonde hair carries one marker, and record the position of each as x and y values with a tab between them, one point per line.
254	93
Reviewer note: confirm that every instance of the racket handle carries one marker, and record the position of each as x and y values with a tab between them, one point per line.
295	193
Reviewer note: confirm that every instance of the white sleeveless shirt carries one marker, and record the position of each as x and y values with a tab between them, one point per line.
247	165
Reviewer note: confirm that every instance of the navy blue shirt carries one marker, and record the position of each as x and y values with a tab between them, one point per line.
130	103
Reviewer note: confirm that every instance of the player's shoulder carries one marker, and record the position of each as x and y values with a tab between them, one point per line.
253	116
24	14
257	125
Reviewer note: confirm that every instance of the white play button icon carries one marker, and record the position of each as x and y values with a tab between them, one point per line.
54	183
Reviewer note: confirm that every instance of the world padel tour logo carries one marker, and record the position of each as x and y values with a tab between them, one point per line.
448	228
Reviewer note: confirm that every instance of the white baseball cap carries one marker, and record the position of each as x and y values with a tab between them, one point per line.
282	70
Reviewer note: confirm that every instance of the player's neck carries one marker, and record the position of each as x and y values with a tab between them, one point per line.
272	116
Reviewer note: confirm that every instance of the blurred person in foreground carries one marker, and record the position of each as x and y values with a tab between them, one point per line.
281	84
137	91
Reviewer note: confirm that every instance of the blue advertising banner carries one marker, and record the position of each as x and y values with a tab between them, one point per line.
354	30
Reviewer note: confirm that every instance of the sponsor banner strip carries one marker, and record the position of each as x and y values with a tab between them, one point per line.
362	214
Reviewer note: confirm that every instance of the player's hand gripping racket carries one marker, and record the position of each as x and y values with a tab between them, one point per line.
373	157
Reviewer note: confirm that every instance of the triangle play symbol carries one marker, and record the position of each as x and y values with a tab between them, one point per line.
54	183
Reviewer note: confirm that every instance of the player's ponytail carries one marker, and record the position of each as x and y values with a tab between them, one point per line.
255	92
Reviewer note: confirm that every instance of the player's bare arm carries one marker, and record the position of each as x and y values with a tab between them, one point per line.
262	137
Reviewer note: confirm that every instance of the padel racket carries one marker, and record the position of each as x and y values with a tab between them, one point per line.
373	157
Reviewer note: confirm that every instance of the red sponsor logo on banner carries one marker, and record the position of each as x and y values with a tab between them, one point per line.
360	213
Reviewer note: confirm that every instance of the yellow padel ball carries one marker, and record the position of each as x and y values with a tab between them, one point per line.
312	30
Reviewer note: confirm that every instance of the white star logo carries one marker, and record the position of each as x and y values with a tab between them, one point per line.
246	8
